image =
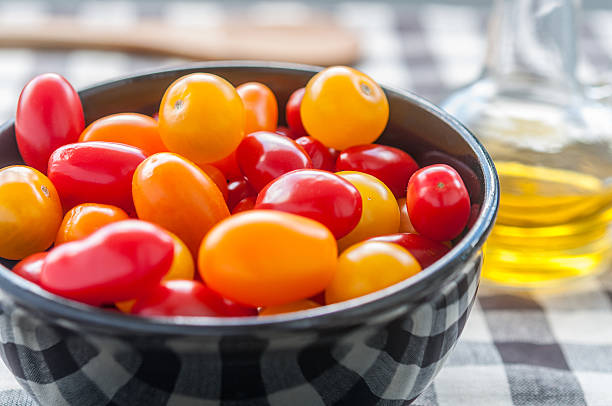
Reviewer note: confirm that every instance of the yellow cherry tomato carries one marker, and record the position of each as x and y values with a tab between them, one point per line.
405	223
182	267
289	307
201	117
84	219
30	212
268	257
343	107
368	267
174	193
380	213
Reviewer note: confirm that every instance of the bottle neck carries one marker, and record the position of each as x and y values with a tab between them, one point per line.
533	40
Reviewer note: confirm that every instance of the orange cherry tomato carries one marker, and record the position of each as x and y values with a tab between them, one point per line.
343	107
267	257
182	267
171	191
289	307
133	129
405	223
380	214
201	117
84	219
367	267
30	212
260	106
217	176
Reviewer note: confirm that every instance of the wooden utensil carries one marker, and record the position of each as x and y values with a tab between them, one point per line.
317	41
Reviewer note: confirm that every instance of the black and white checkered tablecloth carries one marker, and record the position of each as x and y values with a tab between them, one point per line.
518	348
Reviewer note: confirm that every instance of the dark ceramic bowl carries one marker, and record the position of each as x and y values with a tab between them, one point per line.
384	346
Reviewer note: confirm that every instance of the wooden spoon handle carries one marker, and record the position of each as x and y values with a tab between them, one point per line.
317	42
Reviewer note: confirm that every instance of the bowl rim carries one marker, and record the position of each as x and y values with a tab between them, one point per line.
351	312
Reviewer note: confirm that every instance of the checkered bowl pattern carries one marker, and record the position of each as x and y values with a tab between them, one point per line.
387	346
393	358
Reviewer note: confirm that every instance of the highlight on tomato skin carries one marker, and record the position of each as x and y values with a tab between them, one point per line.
30	267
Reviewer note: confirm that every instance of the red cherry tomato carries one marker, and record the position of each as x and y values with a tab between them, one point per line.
121	261
319	154
423	249
30	267
245	204
229	167
95	172
188	298
334	153
49	115
264	156
286	131
292	113
438	202
471	181
390	165
237	191
316	194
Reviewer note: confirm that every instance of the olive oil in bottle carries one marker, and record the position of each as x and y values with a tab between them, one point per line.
552	148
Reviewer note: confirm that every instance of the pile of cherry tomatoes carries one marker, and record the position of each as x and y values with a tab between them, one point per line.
211	209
